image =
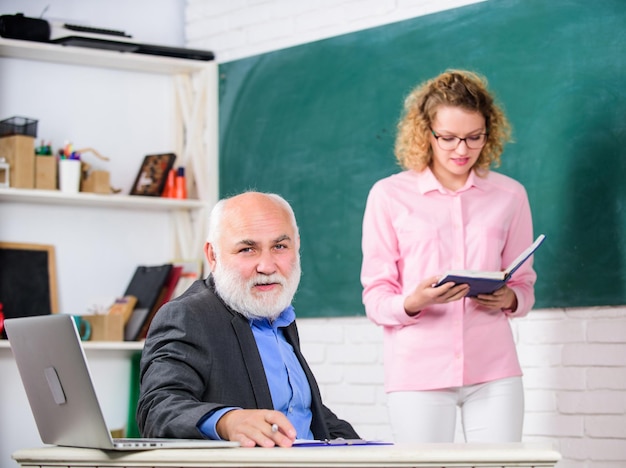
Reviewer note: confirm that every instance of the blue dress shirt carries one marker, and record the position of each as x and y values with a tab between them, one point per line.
289	387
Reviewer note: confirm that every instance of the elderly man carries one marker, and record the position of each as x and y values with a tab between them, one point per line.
223	360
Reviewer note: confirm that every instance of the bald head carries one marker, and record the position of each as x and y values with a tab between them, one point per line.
245	206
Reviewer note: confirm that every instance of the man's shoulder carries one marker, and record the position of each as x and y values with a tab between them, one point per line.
198	311
199	288
199	298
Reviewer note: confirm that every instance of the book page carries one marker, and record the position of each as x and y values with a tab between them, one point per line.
524	255
493	275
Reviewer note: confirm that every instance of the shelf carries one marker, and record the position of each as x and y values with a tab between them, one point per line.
113	345
131	202
86	56
98	345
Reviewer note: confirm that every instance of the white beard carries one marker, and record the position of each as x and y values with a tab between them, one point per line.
237	293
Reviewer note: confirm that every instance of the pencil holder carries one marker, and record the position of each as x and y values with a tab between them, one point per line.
69	175
106	327
45	172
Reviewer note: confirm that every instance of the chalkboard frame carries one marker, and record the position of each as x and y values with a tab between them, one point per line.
27	248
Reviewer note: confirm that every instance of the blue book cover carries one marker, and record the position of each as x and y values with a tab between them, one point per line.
486	282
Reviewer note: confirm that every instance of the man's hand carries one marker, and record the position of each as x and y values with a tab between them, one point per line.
265	428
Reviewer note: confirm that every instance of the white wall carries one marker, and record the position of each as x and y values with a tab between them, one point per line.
574	360
239	28
150	21
124	116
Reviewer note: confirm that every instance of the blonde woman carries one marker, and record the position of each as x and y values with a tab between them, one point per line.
448	210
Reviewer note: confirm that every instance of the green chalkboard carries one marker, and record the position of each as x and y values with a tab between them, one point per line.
316	123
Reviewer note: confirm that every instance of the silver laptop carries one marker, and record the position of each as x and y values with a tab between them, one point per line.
55	374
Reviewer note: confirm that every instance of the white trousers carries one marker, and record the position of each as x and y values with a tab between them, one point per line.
491	412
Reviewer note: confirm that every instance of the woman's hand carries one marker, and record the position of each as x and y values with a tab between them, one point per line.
503	298
426	293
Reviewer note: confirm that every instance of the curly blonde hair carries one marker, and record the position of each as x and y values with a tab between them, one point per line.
456	88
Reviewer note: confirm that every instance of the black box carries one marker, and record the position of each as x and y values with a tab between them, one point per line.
18	126
19	26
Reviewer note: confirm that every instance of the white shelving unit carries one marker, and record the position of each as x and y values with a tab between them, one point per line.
100	239
94	200
194	130
124	348
55	53
196	122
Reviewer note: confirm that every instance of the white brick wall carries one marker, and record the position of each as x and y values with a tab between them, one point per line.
574	360
574	375
235	29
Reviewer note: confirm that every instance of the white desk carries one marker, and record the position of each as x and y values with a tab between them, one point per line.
427	455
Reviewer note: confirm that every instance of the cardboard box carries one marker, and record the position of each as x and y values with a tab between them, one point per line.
106	327
45	172
19	151
96	182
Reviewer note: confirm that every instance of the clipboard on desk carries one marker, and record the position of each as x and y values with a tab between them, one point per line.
337	442
146	285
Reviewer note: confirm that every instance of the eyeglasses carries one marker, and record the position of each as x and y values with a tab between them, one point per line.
448	143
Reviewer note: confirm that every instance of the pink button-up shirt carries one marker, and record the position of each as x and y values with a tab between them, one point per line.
414	228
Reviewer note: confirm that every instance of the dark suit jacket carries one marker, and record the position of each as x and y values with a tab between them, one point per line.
199	356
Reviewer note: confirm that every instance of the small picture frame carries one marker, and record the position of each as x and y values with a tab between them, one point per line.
28	281
150	180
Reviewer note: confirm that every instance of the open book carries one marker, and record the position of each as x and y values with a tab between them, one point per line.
486	282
